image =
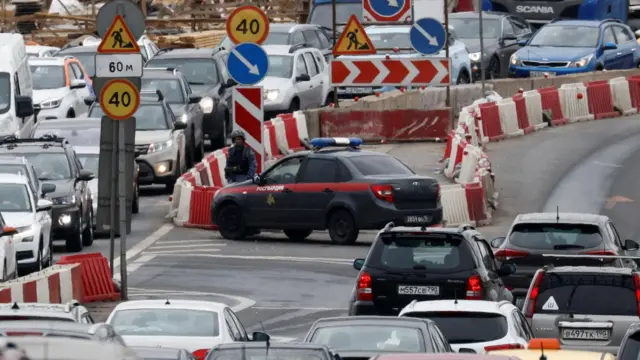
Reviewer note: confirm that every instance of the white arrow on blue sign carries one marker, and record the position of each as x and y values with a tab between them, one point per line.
428	36
248	63
387	8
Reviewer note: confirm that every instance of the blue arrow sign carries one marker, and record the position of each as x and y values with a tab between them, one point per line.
248	63
387	8
428	36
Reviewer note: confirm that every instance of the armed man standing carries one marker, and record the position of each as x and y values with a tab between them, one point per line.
241	164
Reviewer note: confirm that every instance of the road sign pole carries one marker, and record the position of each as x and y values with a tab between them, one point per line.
112	195
334	20
122	197
482	72
446	54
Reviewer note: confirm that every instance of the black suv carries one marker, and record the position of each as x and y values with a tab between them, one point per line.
56	162
413	263
206	73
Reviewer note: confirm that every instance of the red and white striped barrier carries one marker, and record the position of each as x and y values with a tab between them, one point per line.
56	285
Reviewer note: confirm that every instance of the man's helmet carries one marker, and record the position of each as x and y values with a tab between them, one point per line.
237	133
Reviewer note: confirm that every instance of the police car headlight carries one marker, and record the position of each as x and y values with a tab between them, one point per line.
515	60
64	200
207	105
271	94
160	146
184	118
474	56
583	61
51	104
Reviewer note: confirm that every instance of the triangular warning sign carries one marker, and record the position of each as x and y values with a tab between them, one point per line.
354	40
118	39
550	304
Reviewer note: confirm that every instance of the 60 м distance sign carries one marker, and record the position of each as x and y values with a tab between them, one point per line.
118	66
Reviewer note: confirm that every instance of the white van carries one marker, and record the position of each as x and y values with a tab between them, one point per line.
16	89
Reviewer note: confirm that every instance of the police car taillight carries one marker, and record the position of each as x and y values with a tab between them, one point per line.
320	143
383	192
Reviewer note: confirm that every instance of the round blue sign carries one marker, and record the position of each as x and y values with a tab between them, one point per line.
387	8
427	36
248	63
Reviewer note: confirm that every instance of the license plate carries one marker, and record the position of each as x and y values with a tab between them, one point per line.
585	334
358	90
417	219
418	290
541	73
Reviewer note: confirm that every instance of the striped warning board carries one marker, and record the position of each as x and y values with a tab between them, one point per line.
248	116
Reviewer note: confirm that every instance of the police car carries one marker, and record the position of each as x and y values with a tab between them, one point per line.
335	187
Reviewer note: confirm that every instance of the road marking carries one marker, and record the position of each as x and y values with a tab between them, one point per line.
160	245
606	164
243	302
614	200
145	243
185	252
171	242
275	258
298	308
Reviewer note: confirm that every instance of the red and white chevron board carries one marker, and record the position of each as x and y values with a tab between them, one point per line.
391	72
248	116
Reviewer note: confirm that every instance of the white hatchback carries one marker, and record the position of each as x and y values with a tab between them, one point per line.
481	326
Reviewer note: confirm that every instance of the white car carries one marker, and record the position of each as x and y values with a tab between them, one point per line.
194	325
481	326
71	311
58	89
8	251
31	217
39	51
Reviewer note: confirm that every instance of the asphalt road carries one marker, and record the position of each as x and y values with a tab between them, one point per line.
284	286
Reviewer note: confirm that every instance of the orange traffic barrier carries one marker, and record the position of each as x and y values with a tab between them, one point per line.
200	207
96	277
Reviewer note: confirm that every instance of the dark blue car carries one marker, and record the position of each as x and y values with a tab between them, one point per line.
576	46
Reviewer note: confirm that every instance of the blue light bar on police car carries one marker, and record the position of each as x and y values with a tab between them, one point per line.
328	142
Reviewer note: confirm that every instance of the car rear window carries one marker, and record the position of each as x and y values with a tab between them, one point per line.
587	293
437	253
555	236
370	338
369	165
630	350
467	327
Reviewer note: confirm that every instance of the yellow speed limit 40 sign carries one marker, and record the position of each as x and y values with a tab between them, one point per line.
119	99
247	24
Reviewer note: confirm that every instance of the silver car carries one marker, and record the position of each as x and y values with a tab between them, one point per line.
51	348
586	308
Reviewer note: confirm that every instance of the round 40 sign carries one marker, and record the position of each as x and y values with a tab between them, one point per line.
119	99
247	24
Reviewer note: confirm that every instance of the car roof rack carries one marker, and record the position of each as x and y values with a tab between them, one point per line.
465	227
47	138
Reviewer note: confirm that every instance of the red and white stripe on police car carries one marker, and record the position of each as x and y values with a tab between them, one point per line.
248	116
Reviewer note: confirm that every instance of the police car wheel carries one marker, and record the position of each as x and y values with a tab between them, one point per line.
297	235
231	223
342	228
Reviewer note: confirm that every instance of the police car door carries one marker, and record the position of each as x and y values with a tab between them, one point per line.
316	187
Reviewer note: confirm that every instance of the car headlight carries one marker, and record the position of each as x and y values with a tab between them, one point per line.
64	200
25	234
160	146
184	118
584	61
51	103
515	60
271	94
207	105
474	56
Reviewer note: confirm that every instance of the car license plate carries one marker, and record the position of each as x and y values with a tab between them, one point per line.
418	290
541	73
585	334
358	90
417	219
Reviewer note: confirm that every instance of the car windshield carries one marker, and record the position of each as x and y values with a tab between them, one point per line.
323	14
148	116
166	322
436	253
5	92
48	77
555	236
389	40
50	165
88	61
370	338
171	89
272	354
80	136
371	165
14	198
196	71
566	36
469	28
13	169
467	327
280	66
587	294
277	38
89	162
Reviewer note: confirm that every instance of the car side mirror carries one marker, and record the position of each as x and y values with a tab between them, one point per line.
179	125
507	269
231	82
47	188
260	336
610	46
631	245
44	205
358	264
194	99
523	42
497	242
8	231
85	175
466	351
77	84
303	78
257	180
89	100
24	106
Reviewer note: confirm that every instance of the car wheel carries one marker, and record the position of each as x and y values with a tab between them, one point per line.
169	186
493	70
297	235
135	207
463	78
221	140
231	223
342	228
74	242
294	106
40	261
87	233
